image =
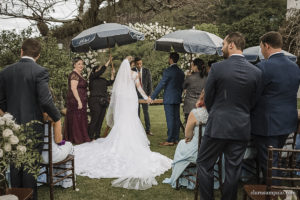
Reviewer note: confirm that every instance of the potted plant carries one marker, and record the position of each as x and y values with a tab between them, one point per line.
17	144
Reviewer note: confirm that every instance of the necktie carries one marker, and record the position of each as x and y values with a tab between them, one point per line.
140	78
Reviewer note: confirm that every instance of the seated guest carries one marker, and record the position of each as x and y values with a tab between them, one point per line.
187	149
60	150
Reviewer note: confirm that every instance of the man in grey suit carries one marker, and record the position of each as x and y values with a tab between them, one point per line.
25	94
275	115
146	83
231	91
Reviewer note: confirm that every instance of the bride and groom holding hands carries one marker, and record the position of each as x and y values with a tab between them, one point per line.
125	153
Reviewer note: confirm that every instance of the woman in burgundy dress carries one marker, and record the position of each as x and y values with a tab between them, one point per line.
76	122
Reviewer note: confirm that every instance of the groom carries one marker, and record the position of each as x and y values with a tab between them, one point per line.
172	82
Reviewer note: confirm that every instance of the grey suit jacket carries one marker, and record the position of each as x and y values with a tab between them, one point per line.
231	91
146	81
24	92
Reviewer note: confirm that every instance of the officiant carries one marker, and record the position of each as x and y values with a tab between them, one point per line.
146	83
99	99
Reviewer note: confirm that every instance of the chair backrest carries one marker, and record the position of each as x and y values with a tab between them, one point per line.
286	174
48	143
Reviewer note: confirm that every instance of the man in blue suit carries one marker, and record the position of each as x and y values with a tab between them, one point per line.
231	90
275	115
172	82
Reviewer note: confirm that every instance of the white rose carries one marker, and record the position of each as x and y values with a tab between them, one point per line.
14	139
1	153
10	122
16	127
8	116
21	148
2	122
7	147
7	133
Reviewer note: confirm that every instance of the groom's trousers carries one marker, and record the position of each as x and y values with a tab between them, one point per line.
210	149
172	112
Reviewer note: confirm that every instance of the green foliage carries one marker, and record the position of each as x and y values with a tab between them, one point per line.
59	66
10	46
211	28
230	11
253	18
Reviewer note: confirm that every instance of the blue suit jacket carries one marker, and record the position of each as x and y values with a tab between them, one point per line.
276	111
231	91
172	82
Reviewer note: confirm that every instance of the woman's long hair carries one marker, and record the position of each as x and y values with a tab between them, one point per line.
201	67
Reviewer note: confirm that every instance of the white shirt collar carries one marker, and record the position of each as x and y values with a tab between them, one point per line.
235	54
28	57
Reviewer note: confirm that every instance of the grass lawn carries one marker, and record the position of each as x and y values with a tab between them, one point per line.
101	188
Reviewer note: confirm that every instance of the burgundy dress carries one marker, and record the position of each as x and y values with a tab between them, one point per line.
76	122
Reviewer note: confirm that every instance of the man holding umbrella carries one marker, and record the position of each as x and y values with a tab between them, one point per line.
172	82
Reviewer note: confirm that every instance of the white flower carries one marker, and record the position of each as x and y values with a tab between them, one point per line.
7	133
1	153
10	122
7	147
14	139
21	148
29	140
2	122
8	116
16	127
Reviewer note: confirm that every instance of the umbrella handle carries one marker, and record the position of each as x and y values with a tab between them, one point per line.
112	64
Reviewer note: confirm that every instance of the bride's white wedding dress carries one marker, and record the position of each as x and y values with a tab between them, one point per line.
125	153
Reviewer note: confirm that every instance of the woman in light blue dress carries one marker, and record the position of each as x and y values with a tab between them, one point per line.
187	152
187	149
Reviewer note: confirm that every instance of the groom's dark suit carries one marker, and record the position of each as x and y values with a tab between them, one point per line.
172	82
25	94
231	91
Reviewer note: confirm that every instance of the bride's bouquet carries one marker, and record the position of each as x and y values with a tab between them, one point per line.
17	147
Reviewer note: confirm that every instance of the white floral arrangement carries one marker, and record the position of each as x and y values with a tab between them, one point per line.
152	31
17	146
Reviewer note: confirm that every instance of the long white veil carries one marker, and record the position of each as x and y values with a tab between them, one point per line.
125	153
123	94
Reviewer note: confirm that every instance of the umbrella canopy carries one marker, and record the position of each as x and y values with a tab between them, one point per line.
105	36
190	41
253	53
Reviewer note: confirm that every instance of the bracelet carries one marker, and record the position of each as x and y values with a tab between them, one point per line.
61	143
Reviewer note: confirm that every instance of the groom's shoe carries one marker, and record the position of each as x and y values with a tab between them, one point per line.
166	143
149	133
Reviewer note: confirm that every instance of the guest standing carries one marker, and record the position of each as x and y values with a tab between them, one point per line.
99	98
76	122
172	82
24	93
230	93
193	85
275	115
146	83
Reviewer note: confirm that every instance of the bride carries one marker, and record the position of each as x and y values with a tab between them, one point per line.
125	153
